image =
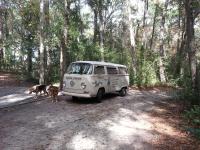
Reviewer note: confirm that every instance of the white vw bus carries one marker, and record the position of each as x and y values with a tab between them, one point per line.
94	79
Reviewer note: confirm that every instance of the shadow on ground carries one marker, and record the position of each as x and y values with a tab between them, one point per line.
92	100
137	121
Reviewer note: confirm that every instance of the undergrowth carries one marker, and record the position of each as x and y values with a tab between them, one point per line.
192	117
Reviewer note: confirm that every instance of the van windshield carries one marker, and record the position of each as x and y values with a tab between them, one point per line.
79	68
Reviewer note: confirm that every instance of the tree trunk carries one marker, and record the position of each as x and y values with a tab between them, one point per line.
6	18
144	34
30	64
111	39
180	44
42	39
124	36
162	40
95	26
154	24
81	25
132	38
47	50
1	35
190	39
64	53
179	27
101	30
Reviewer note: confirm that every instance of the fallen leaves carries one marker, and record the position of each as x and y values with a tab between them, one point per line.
169	125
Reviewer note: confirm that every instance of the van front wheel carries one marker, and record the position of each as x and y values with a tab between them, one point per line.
99	95
123	92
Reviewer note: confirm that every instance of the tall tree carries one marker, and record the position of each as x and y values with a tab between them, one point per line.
46	42
29	21
144	34
64	51
162	40
132	34
191	14
180	40
95	25
101	28
94	6
42	39
154	26
1	33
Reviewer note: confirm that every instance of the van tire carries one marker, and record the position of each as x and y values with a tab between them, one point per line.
74	98
123	91
100	95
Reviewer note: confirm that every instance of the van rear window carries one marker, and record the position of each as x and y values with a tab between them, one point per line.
112	70
122	70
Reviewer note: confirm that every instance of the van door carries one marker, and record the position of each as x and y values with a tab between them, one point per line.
123	77
101	78
113	81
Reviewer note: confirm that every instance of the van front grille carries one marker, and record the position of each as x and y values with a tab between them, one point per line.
73	78
78	91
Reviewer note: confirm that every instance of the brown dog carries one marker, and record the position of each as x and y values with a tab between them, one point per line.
38	89
53	92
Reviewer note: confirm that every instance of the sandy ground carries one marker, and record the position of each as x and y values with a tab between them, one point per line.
144	119
116	123
13	95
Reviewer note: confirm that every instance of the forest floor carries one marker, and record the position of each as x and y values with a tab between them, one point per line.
144	119
13	90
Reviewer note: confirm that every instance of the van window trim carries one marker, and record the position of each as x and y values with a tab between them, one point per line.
96	65
82	63
116	67
123	68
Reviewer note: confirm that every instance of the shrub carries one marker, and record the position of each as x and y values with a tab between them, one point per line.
193	118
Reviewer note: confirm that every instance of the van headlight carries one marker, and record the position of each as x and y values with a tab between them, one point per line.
64	84
83	85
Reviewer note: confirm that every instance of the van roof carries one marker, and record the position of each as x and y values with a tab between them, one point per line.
100	63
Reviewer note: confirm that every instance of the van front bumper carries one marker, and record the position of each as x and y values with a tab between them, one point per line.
86	95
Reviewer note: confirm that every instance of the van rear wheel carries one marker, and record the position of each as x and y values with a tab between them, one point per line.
123	92
99	95
74	98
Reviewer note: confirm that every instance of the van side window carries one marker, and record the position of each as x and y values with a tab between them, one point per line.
112	70
122	70
99	70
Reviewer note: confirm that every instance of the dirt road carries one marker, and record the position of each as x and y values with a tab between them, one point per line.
116	123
